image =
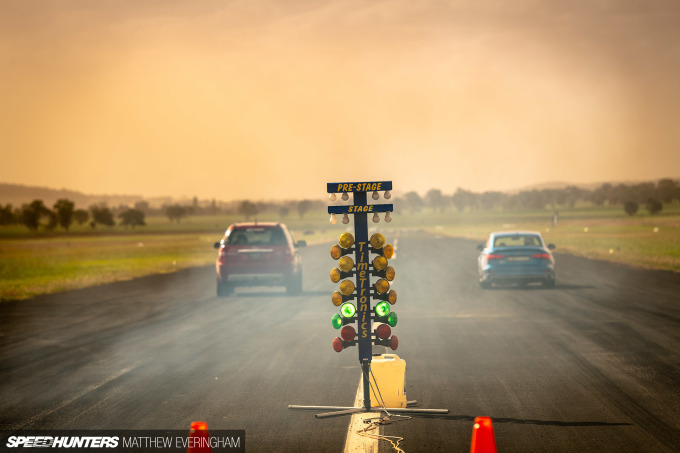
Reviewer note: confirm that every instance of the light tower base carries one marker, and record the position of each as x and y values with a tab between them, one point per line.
337	411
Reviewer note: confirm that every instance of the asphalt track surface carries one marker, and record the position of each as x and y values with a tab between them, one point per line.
592	365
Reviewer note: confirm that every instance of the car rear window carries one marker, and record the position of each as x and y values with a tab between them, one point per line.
519	240
257	236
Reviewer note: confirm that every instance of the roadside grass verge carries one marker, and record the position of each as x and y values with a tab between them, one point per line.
31	267
644	241
33	264
47	262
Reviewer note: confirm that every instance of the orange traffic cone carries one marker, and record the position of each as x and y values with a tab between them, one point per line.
483	440
199	440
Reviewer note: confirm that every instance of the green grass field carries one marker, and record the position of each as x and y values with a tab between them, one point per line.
47	262
644	241
45	265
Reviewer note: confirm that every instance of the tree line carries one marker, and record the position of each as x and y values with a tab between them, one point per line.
63	214
246	208
251	209
630	196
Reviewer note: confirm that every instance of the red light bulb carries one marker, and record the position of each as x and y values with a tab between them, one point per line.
383	331
348	333
337	344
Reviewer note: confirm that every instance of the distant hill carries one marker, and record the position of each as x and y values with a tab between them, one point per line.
557	185
17	195
588	186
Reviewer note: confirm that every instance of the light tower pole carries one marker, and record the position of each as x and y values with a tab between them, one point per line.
362	291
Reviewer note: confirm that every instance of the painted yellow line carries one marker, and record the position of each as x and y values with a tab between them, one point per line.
355	443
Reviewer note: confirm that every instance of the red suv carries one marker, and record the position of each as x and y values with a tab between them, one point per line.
258	254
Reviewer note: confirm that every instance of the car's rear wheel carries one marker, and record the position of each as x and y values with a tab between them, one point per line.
549	283
484	284
224	289
294	285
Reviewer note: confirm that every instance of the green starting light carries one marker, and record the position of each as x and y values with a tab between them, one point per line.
336	320
391	319
348	310
382	309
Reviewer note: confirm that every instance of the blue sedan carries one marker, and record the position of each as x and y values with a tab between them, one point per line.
518	257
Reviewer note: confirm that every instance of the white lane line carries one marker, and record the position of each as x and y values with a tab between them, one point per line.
355	443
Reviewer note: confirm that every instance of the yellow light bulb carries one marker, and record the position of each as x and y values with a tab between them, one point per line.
382	286
336	252
347	287
335	275
333	219
389	273
346	240
346	263
379	262
388	251
336	298
392	297
377	241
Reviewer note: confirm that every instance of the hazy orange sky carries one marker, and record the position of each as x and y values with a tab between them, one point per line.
272	99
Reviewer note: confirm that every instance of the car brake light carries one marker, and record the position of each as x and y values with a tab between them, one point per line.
542	256
491	256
